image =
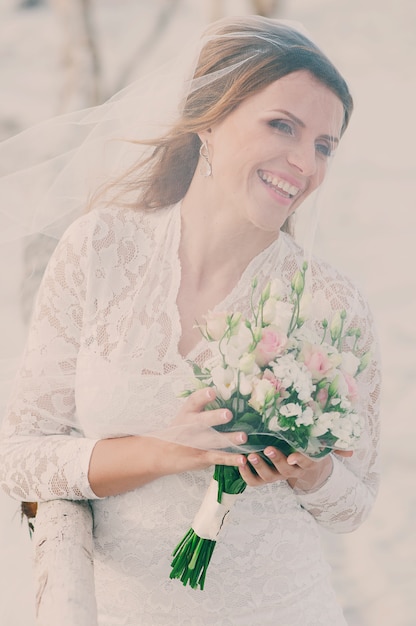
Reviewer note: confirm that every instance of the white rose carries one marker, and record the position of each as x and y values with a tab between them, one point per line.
349	363
269	311
247	364
216	324
237	346
278	313
246	384
225	381
263	390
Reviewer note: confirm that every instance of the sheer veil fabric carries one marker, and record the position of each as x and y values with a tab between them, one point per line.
102	360
54	172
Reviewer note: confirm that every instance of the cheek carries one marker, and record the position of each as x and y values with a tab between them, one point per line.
313	185
318	179
320	173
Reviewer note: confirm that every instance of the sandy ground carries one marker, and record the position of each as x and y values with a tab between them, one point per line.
367	226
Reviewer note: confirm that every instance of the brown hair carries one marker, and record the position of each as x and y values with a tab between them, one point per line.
254	52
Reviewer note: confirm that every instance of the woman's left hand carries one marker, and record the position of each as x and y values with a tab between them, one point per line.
297	469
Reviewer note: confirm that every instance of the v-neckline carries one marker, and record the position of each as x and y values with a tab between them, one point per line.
226	302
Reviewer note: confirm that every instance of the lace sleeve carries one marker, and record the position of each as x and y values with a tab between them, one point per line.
43	453
345	500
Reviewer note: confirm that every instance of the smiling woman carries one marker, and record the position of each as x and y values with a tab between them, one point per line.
264	167
191	222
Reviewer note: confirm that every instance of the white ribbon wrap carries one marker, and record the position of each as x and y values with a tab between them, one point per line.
210	517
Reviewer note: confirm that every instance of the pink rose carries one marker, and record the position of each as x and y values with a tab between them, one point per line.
273	341
316	360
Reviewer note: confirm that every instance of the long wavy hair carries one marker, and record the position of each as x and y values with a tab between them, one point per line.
243	56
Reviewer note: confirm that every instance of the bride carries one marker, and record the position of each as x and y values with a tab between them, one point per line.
182	232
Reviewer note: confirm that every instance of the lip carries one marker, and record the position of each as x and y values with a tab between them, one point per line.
280	195
286	177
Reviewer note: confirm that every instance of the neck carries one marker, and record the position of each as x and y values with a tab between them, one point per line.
215	245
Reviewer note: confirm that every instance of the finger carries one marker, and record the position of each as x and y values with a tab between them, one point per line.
250	476
216	457
199	399
288	467
264	470
300	460
344	453
195	404
215	417
234	438
197	435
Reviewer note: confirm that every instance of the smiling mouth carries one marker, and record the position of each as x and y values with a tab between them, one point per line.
278	184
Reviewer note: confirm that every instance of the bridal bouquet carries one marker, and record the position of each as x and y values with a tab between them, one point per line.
286	385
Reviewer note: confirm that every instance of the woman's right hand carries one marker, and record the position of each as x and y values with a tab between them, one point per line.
125	463
194	424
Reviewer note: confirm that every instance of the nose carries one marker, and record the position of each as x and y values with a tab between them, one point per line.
303	158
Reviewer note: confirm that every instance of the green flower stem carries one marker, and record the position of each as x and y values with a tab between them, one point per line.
191	559
192	555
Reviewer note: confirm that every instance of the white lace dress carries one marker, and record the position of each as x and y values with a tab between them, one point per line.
101	361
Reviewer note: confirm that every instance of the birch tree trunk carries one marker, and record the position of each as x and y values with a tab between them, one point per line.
64	570
80	59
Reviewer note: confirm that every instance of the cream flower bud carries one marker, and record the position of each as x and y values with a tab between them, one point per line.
265	294
298	283
364	361
336	326
333	387
247	364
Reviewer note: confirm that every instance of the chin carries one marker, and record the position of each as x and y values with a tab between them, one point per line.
267	224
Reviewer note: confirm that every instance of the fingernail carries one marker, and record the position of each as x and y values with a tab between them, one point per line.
291	461
242	437
253	460
210	394
227	415
270	453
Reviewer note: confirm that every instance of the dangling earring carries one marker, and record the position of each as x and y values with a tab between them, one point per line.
206	168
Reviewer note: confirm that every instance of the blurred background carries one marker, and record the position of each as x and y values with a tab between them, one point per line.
60	55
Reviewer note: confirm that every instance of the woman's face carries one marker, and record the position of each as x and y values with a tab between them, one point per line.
273	150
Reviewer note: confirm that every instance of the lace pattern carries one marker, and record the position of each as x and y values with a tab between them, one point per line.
102	360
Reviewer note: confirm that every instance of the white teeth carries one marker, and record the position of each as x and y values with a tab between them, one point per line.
280	184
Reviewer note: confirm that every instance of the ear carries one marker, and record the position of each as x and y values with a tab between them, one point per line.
204	135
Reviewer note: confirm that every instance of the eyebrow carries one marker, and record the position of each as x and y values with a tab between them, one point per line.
295	119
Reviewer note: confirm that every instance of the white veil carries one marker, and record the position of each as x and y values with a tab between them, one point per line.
49	173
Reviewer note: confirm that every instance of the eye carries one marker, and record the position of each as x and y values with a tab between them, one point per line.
282	126
324	149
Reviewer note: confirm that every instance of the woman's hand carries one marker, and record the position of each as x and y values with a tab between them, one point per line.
125	463
298	470
194	423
